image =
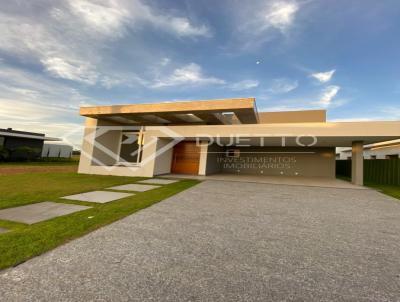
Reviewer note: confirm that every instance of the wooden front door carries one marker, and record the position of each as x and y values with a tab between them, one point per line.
186	158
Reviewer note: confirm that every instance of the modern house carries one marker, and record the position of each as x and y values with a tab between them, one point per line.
21	144
384	150
221	136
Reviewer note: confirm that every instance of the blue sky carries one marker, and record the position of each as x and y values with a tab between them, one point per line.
58	55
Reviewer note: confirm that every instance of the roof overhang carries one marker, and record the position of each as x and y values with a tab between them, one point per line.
28	136
339	134
214	112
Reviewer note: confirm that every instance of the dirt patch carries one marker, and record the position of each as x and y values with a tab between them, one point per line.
36	169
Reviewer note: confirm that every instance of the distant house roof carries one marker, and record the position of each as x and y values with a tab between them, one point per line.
9	132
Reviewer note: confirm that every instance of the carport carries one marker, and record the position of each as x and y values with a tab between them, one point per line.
285	140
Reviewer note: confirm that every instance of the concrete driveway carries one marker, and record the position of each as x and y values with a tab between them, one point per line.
229	241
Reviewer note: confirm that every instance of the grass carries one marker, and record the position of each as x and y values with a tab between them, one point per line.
391	190
26	241
43	162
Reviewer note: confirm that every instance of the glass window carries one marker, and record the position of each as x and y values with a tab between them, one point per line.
131	149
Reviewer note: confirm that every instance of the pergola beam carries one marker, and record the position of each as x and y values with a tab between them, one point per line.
211	118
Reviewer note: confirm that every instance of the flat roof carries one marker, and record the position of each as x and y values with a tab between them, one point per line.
215	112
24	134
329	134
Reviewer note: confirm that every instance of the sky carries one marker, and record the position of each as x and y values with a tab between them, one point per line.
55	56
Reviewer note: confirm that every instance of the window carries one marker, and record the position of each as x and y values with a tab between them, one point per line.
2	139
130	151
392	156
373	156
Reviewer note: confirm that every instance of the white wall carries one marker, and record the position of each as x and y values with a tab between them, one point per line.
163	159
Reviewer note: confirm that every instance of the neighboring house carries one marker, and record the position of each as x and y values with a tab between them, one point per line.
22	144
384	150
221	136
56	150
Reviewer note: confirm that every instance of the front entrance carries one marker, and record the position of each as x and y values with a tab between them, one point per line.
186	158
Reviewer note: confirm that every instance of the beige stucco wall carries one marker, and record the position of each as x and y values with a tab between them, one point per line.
304	116
88	164
162	164
310	162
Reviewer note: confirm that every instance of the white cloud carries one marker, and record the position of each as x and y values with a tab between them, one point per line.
30	101
280	15
165	61
70	38
282	86
244	85
275	15
391	112
190	74
104	16
183	27
327	98
71	70
110	17
328	94
268	20
323	77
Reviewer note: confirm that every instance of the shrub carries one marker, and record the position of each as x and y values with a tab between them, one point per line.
4	153
25	153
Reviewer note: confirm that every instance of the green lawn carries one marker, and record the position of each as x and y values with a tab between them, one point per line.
26	241
390	190
43	162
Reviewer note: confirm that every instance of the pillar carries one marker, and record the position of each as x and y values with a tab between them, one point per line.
357	163
203	158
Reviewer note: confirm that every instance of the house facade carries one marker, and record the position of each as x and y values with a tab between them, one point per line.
221	136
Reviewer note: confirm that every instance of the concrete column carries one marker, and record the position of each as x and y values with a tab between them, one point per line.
203	158
357	163
85	160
